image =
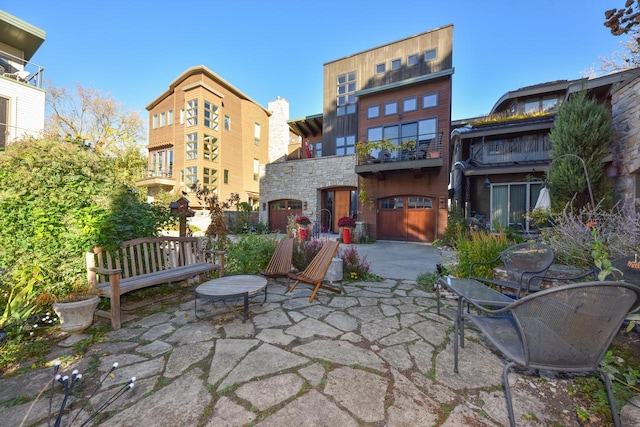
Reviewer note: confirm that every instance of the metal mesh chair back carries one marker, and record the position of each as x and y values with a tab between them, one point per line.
525	260
570	327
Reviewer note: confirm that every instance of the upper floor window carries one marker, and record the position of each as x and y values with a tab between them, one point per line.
192	146
430	55
256	169
211	115
430	100
161	163
192	112
410	104
191	175
163	119
412	60
210	148
390	108
346	97
227	123
225	176
182	116
317	149
381	68
154	121
549	102
170	117
396	64
345	145
373	111
256	133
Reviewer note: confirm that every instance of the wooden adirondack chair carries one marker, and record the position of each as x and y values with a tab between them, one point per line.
280	263
316	270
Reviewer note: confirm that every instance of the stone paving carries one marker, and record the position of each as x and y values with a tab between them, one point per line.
378	354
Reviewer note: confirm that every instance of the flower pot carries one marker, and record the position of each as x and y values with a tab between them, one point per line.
302	232
346	235
76	316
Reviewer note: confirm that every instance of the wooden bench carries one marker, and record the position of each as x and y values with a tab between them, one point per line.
148	261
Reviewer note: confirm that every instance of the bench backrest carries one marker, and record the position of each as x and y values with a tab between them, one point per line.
146	255
317	268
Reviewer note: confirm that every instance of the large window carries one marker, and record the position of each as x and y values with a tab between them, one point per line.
210	178
345	145
346	98
211	115
424	132
192	112
510	202
161	164
192	146
191	175
210	148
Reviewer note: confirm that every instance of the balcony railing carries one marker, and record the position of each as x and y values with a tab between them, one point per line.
512	151
402	150
16	68
159	173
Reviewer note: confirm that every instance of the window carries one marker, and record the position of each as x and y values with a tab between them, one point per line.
346	94
4	120
170	117
256	133
510	202
227	123
390	108
182	116
191	175
373	112
163	119
317	149
210	148
430	55
427	130
549	103
192	146
211	115
430	100
345	145
410	104
256	169
210	178
154	122
419	203
392	203
412	60
531	105
395	64
226	176
161	164
192	112
381	68
537	104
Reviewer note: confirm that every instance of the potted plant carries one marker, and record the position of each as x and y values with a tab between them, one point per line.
77	308
346	224
303	226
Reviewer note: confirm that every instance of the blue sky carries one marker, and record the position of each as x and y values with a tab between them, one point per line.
134	49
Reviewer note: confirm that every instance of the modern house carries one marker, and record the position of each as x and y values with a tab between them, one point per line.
499	162
22	97
204	130
396	96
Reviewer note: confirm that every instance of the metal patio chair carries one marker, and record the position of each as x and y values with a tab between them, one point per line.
567	328
524	264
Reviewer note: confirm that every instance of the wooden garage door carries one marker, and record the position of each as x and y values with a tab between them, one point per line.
279	210
407	218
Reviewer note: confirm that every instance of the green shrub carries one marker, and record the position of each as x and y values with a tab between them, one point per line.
58	200
250	254
427	280
353	266
457	227
480	246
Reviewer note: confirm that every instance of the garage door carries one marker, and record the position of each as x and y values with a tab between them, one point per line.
407	218
279	210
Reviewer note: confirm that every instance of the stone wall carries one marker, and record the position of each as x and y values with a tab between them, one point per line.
625	110
303	180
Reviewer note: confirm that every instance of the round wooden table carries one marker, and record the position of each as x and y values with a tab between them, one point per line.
232	287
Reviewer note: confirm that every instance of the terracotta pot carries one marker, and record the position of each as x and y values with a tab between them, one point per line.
76	316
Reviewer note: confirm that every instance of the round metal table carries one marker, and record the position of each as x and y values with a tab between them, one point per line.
232	287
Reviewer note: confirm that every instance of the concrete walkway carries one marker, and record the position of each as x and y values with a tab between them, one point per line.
378	354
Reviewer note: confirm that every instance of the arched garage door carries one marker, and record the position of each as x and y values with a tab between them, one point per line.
407	218
279	210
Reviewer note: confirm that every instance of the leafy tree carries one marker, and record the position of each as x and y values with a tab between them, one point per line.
624	20
583	128
58	200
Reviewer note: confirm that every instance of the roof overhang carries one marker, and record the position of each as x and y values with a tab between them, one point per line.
309	126
20	34
503	128
407	82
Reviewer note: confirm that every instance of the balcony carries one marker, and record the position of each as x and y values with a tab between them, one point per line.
156	178
519	150
17	69
376	158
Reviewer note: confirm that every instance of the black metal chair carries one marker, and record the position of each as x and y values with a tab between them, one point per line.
524	263
567	328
